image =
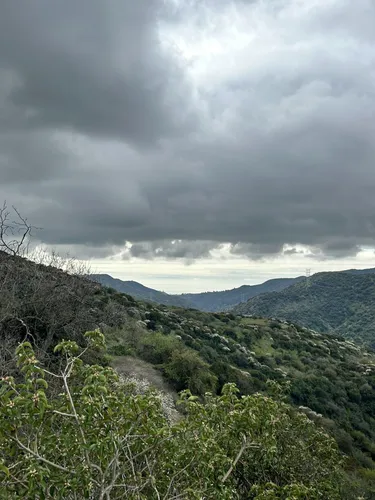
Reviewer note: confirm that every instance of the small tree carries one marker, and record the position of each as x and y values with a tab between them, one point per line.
187	369
44	297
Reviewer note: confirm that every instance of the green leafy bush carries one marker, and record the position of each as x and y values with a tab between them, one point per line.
187	370
99	438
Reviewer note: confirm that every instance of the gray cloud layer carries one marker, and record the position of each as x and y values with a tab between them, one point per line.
107	134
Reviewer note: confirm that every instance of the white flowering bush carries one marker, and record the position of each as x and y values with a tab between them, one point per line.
143	386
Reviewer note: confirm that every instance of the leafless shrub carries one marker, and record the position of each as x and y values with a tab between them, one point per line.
67	263
45	297
15	231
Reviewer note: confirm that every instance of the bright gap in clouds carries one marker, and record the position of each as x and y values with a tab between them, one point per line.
205	35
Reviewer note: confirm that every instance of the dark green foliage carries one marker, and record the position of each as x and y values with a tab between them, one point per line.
336	302
332	378
158	348
100	437
186	369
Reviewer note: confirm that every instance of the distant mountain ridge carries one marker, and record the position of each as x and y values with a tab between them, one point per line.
217	301
227	299
141	292
206	301
337	302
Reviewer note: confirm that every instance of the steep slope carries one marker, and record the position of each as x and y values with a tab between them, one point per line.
329	378
336	302
227	299
139	291
326	377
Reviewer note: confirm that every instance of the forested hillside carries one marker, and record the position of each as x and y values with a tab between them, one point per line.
336	302
203	351
330	380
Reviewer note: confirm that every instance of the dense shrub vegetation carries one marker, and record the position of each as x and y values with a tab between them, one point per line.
98	438
327	378
332	379
337	302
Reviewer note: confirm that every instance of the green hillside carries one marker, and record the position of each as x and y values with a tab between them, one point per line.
328	375
326	378
336	302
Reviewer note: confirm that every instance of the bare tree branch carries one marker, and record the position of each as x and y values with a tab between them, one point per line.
14	234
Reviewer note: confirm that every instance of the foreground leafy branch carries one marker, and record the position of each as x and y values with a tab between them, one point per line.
97	437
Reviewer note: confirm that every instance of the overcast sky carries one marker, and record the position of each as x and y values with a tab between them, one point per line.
192	144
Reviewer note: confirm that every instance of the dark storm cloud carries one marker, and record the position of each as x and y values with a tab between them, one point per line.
31	157
176	249
256	251
292	251
94	66
107	135
336	249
